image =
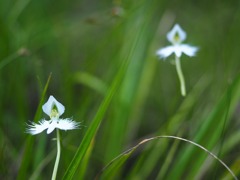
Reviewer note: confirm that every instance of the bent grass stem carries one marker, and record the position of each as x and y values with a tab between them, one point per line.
129	151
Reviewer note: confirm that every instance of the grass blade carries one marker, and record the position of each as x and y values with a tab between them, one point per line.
22	173
214	121
92	129
127	153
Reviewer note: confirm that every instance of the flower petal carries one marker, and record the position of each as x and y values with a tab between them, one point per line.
188	50
35	128
47	107
52	125
67	124
176	35
165	52
178	50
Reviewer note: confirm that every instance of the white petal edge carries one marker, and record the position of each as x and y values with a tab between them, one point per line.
165	52
67	124
47	107
189	50
176	30
34	128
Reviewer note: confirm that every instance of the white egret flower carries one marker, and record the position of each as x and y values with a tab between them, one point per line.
176	36
54	110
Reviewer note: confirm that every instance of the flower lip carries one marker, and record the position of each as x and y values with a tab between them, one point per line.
63	124
176	35
177	50
53	108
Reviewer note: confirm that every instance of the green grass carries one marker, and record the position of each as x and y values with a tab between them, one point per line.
98	58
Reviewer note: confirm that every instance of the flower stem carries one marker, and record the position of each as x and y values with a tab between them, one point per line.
180	75
58	156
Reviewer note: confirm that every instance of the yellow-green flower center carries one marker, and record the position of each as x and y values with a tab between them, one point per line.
54	112
177	38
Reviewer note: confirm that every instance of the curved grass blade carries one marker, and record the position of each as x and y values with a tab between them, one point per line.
129	151
151	156
110	171
215	121
235	167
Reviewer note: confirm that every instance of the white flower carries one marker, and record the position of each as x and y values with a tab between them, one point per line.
176	36
54	110
53	103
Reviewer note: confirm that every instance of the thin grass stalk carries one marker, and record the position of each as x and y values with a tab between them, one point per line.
22	173
150	158
168	137
212	121
169	158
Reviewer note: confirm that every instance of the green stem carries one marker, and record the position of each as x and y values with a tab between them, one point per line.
180	75
58	156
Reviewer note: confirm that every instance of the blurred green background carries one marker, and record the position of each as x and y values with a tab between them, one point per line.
106	50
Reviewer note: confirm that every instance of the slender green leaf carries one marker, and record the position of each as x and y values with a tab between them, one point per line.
22	173
91	81
211	130
144	30
156	149
92	129
85	161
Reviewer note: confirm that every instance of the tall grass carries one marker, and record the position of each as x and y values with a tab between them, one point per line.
98	58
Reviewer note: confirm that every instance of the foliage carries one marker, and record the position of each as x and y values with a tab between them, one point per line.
99	59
